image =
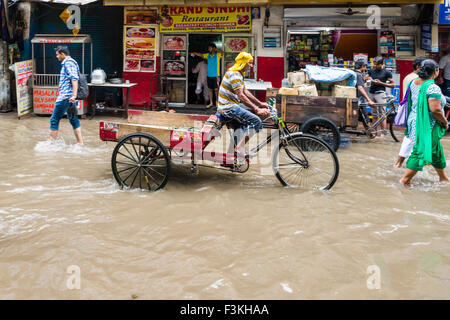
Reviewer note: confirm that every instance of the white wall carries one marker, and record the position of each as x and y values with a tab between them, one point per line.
276	19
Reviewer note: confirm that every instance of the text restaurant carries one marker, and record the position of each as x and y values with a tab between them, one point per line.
164	45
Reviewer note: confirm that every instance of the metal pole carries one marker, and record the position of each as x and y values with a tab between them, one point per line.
82	59
92	62
34	64
44	56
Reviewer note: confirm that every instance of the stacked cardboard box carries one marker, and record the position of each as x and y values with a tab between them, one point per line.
344	92
297	78
289	91
307	90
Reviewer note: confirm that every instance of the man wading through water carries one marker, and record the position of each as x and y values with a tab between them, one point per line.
68	88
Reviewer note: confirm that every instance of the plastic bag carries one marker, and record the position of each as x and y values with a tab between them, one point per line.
402	114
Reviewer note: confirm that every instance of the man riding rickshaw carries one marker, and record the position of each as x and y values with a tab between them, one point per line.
237	105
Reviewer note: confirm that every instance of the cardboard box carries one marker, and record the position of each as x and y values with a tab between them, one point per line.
344	92
297	78
290	91
307	90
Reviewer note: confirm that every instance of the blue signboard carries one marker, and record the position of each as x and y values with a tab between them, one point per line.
444	12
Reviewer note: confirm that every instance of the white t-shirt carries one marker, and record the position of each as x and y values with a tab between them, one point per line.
202	69
445	65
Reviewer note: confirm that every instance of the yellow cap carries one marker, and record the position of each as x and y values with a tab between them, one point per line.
241	60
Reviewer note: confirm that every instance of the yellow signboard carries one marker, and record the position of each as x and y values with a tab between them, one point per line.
198	19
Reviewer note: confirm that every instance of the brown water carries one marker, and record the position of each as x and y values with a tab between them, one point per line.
217	235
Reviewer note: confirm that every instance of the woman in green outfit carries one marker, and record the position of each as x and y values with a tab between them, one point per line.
426	124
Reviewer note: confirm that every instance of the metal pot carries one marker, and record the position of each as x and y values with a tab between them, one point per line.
116	80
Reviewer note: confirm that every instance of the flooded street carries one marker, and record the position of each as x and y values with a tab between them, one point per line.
217	235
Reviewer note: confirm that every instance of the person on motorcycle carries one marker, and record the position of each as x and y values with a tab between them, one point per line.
237	104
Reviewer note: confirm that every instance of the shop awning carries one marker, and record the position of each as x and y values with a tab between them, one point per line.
365	2
254	2
336	13
183	2
61	38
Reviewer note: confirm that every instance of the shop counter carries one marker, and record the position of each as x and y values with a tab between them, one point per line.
126	86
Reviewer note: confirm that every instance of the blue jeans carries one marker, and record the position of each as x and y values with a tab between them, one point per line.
247	120
59	111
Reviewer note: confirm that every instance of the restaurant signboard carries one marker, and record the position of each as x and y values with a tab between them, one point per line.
198	19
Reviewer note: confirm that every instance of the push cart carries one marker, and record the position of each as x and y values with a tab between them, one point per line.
328	117
151	141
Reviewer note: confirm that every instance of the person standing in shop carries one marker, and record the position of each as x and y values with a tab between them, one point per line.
213	56
202	85
381	79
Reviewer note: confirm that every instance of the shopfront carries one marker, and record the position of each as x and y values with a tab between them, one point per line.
281	40
185	30
339	39
161	40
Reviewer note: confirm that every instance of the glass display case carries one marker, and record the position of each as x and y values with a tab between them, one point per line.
174	66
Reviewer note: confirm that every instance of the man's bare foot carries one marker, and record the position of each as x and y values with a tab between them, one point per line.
444	180
406	183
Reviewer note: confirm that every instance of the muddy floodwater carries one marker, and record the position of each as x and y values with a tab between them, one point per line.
217	235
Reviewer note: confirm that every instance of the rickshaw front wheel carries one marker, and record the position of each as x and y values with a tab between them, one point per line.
141	161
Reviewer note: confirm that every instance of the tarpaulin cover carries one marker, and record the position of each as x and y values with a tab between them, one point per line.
328	75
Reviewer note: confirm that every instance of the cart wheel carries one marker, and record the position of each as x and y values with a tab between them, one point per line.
140	161
303	160
323	128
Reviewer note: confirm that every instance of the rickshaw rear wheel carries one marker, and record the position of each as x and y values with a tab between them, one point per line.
323	128
141	161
